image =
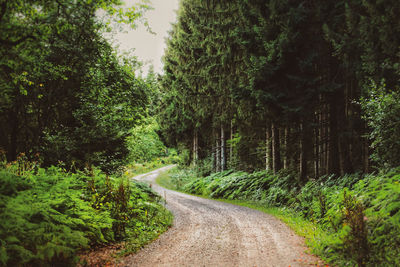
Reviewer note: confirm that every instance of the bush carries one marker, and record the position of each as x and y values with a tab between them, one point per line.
48	215
382	113
144	144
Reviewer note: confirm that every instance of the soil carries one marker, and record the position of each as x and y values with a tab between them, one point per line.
212	233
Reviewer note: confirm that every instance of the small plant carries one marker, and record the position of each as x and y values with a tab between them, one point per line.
356	240
47	215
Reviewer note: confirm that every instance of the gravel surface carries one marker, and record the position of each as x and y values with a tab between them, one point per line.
213	233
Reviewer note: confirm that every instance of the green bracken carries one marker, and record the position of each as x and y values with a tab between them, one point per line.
48	215
348	221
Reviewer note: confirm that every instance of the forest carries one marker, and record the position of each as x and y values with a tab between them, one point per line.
284	103
73	114
292	104
308	86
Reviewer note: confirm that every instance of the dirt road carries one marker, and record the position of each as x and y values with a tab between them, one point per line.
213	233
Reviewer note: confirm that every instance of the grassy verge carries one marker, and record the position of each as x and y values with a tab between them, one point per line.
164	180
348	221
135	169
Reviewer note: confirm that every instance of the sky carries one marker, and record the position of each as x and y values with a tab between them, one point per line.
149	48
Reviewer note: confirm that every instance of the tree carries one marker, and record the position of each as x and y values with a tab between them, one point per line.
64	92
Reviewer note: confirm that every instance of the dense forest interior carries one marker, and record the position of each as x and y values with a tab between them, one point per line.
298	85
296	105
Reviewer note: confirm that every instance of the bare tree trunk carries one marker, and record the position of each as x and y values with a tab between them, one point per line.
231	145
218	153
12	146
321	138
303	153
195	148
286	143
276	153
366	155
317	141
316	152
327	139
334	161
268	148
223	159
213	155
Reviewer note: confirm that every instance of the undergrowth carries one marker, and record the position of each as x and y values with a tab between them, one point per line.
352	220
48	215
137	168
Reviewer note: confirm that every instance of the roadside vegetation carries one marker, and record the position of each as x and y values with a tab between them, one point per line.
48	215
349	220
74	114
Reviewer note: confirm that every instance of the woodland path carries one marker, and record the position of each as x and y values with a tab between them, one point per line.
212	233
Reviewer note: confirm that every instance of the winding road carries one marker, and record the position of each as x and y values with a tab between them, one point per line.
212	233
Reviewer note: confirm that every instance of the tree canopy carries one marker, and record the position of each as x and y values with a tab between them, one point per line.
65	93
281	80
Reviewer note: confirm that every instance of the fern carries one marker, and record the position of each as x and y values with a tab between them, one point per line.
49	215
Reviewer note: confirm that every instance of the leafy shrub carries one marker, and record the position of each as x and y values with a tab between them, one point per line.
355	241
382	113
144	143
48	214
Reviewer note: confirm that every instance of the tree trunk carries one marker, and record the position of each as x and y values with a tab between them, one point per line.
218	153
303	153
195	148
346	165
12	149
333	160
366	155
326	142
231	146
276	153
223	158
213	155
316	146
286	144
268	148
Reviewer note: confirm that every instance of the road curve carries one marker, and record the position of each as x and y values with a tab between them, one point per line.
213	233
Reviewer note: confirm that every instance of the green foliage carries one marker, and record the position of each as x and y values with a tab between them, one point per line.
64	91
134	169
48	215
356	218
382	113
144	143
253	64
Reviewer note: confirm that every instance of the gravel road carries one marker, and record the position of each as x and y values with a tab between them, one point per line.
213	233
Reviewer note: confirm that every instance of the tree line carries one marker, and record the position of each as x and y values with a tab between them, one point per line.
309	86
65	94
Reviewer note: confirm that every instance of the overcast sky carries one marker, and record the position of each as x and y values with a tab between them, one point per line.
150	47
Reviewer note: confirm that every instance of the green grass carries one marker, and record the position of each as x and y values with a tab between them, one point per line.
164	180
135	169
